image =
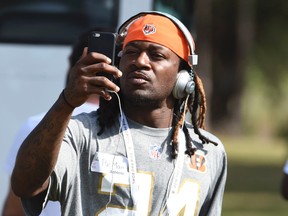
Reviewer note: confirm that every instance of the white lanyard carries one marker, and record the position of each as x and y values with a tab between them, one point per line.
176	174
131	159
176	178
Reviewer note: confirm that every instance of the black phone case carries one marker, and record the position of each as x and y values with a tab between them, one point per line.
104	43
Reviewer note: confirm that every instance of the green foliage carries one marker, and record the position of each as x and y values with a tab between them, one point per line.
270	50
264	103
254	176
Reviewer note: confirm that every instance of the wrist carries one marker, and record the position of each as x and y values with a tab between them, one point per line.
62	95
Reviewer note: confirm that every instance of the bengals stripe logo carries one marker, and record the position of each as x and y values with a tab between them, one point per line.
197	162
149	29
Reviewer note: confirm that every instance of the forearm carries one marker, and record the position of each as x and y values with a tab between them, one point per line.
38	153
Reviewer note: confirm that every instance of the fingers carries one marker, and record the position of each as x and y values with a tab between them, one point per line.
84	53
102	69
88	76
94	57
94	63
101	86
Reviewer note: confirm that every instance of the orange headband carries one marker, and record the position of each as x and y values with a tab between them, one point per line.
160	30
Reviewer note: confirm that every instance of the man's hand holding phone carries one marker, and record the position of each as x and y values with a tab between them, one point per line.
103	43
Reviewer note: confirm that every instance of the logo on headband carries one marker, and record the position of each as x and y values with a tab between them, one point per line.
149	29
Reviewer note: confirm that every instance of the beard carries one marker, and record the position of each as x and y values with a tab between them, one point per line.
142	100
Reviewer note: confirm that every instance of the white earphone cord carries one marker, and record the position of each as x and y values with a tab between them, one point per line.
120	129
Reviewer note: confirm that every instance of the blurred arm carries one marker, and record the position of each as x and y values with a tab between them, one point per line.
12	205
284	185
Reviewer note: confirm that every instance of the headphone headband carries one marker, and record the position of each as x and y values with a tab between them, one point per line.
193	58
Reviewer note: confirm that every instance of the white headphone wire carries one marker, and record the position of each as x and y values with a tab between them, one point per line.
119	131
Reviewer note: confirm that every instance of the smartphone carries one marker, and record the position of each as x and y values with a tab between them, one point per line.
104	43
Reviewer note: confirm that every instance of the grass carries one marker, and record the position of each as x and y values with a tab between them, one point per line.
254	177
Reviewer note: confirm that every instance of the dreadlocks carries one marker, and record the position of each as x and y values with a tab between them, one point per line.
108	113
196	100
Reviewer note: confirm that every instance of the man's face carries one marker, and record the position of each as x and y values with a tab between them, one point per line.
149	73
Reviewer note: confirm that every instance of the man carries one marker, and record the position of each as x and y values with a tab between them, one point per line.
136	155
12	204
284	184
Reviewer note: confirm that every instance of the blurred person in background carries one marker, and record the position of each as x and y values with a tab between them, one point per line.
284	185
12	204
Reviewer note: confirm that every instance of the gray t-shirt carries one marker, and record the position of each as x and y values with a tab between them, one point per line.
85	184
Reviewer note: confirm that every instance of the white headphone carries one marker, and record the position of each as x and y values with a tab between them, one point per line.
184	84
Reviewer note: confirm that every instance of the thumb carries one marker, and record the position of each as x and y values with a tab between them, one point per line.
84	53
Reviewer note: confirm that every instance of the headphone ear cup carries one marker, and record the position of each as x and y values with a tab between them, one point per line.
184	85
